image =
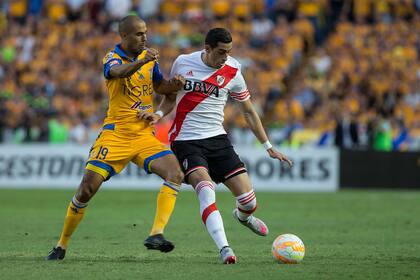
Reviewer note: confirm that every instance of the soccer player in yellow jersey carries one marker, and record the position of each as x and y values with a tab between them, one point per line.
132	75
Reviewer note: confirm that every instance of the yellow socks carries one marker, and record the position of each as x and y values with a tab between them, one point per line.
75	213
165	205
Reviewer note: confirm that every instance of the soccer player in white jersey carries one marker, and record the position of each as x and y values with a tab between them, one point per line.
199	140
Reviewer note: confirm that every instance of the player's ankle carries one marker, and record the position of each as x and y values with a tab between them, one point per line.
64	247
156	232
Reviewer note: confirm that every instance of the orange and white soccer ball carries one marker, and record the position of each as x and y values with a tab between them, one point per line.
288	248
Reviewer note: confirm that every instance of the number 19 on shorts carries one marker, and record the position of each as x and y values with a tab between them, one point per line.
100	154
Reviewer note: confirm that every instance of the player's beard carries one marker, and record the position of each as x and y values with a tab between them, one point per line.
140	47
138	50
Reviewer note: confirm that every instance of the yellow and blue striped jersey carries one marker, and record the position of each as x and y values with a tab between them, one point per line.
129	95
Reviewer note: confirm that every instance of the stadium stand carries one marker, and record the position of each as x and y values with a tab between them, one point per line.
321	72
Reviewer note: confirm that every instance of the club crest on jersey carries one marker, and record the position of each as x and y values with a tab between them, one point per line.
109	56
220	80
203	87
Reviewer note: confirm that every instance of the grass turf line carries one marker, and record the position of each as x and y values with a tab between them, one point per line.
348	235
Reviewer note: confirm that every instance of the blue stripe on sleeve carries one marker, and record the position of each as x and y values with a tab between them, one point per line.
107	67
157	75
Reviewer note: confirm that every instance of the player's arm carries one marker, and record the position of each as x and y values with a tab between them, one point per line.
164	108
160	85
126	70
255	124
167	104
168	87
165	87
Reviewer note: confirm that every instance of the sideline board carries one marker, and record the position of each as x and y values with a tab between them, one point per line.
61	166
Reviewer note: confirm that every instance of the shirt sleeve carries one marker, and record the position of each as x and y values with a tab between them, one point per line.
108	62
157	74
239	89
174	68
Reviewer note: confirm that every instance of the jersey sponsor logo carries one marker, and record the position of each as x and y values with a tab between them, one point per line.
193	98
129	88
144	108
109	56
139	91
137	106
203	87
113	62
220	80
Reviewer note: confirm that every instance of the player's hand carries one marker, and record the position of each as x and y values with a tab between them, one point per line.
277	155
178	81
151	55
148	116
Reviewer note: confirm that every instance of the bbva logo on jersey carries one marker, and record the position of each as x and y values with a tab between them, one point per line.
203	87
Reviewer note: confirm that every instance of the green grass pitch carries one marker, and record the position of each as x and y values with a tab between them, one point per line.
348	235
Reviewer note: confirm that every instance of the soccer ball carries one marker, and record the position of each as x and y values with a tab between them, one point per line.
288	248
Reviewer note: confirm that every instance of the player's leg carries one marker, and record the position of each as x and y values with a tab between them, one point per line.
246	203
191	156
168	169
156	158
210	215
75	211
107	157
228	168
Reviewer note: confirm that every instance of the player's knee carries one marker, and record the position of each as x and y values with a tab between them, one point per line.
175	176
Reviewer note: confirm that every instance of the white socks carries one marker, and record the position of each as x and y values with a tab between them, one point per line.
247	204
210	215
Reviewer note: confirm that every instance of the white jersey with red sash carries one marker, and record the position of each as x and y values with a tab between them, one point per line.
200	105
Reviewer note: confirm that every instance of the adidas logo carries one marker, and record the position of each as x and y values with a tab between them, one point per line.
189	73
141	77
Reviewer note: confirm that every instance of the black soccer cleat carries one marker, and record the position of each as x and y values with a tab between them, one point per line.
57	253
158	242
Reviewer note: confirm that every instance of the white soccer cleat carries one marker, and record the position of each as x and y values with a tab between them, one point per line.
253	223
227	255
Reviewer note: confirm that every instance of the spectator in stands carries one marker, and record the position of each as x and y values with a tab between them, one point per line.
369	63
346	132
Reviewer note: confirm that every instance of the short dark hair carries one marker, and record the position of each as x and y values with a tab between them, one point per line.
216	35
126	22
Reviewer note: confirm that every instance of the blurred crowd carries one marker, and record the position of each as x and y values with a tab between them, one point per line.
361	87
320	72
